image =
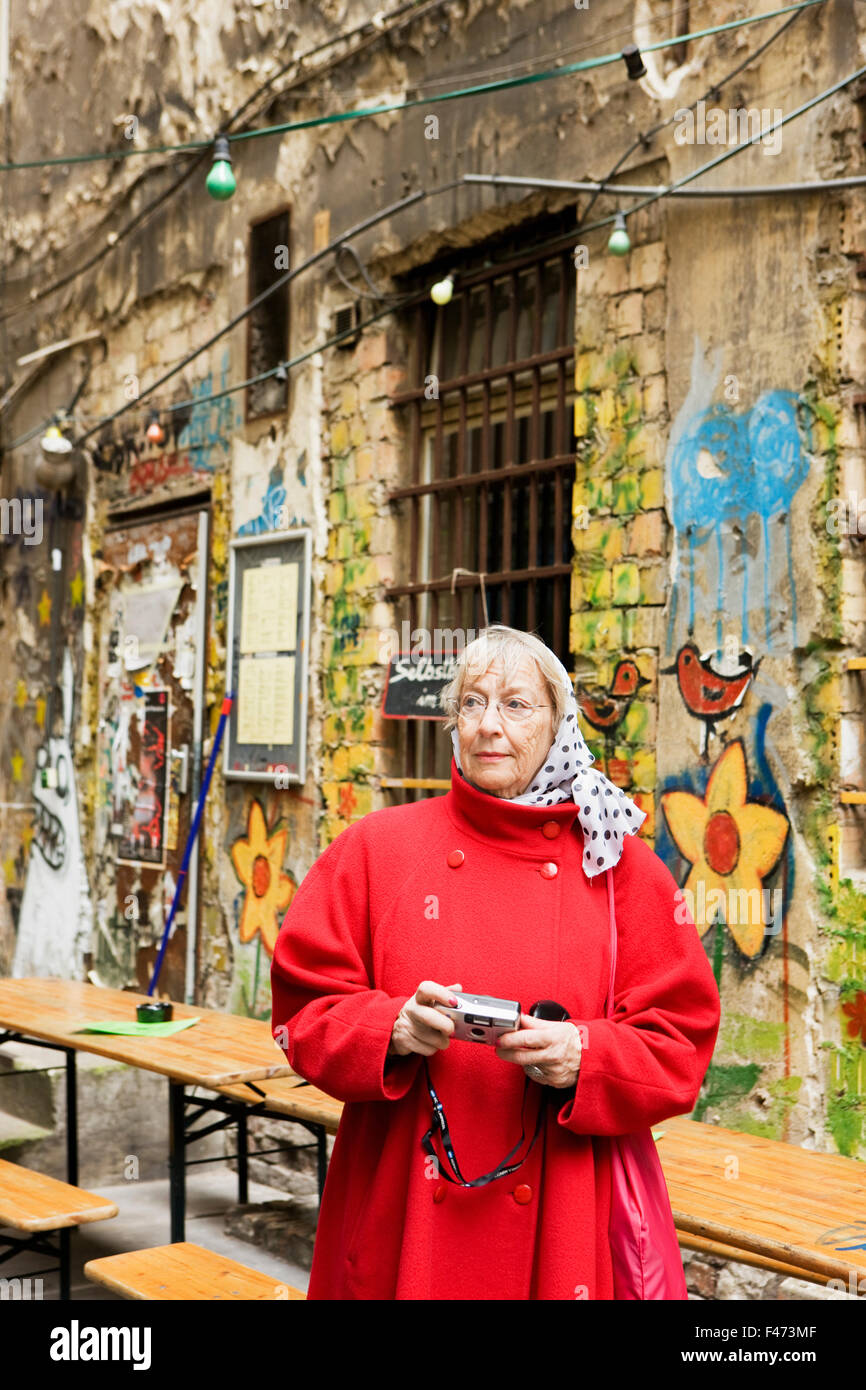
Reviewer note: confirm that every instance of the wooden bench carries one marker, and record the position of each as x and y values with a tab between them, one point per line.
184	1271
37	1205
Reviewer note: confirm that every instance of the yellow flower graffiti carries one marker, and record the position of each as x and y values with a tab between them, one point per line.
732	844
258	860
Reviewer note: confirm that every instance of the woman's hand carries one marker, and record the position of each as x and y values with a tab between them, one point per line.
552	1048
419	1027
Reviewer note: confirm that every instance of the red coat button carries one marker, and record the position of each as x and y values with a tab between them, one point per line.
455	858
549	870
440	1192
523	1193
550	829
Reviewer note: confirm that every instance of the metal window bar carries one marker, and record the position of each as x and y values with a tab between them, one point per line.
491	469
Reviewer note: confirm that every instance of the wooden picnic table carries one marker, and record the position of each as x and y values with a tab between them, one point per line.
49	1013
219	1045
762	1202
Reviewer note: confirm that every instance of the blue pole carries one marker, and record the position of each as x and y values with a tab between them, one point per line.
190	839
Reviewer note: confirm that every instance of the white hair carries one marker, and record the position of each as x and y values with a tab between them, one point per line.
511	646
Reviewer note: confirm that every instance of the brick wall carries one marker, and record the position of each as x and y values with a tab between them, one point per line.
362	445
620	527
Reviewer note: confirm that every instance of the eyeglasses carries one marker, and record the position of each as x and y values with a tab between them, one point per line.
472	708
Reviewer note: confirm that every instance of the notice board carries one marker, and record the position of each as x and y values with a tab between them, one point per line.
268	656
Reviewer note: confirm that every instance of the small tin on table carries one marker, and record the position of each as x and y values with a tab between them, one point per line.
154	1013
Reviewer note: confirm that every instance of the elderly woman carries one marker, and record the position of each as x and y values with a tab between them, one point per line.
498	888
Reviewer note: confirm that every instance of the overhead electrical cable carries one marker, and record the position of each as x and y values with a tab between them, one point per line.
568	239
480	89
277	284
560	243
404	15
644	139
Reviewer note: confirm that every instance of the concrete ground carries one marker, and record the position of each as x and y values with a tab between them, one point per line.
143	1221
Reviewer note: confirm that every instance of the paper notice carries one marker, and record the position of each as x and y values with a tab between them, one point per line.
269	609
266	700
147	611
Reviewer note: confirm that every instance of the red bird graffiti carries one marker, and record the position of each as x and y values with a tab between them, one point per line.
606	709
710	695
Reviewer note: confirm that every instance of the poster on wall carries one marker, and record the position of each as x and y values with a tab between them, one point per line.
141	788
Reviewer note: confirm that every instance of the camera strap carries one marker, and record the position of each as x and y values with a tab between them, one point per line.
440	1123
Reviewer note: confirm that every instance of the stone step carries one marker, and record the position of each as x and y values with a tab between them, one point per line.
23	1057
28	1083
19	1056
122	1115
16	1132
284	1227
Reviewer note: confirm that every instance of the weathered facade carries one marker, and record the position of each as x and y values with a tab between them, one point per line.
680	434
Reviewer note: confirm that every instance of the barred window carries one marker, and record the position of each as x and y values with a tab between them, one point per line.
490	463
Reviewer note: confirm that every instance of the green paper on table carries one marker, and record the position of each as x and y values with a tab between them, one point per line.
134	1029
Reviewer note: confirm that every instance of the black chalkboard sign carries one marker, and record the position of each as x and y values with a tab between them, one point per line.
413	684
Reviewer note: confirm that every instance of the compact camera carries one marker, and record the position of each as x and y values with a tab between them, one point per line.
479	1018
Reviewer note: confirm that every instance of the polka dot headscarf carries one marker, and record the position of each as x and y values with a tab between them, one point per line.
605	813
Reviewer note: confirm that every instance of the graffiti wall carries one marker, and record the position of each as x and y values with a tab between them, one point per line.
47	927
263	894
54	924
270	828
709	598
734	470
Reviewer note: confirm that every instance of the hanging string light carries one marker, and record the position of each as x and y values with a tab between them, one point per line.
634	62
442	291
154	432
56	468
619	242
221	182
55	442
403	104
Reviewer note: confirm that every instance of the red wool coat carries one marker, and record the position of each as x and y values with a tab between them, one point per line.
383	909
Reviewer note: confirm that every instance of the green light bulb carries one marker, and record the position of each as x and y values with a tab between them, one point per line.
220	182
619	243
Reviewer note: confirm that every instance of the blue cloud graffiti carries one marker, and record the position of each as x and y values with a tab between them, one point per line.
730	467
210	423
272	516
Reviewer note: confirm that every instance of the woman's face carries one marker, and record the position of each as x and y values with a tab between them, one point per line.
520	748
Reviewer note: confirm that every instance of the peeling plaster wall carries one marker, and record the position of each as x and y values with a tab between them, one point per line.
161	293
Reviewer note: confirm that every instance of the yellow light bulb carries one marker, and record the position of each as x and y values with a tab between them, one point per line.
442	291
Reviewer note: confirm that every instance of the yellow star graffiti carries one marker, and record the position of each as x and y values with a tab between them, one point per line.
9	869
732	844
258	864
43	608
40	712
17	767
20	694
27	837
76	588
